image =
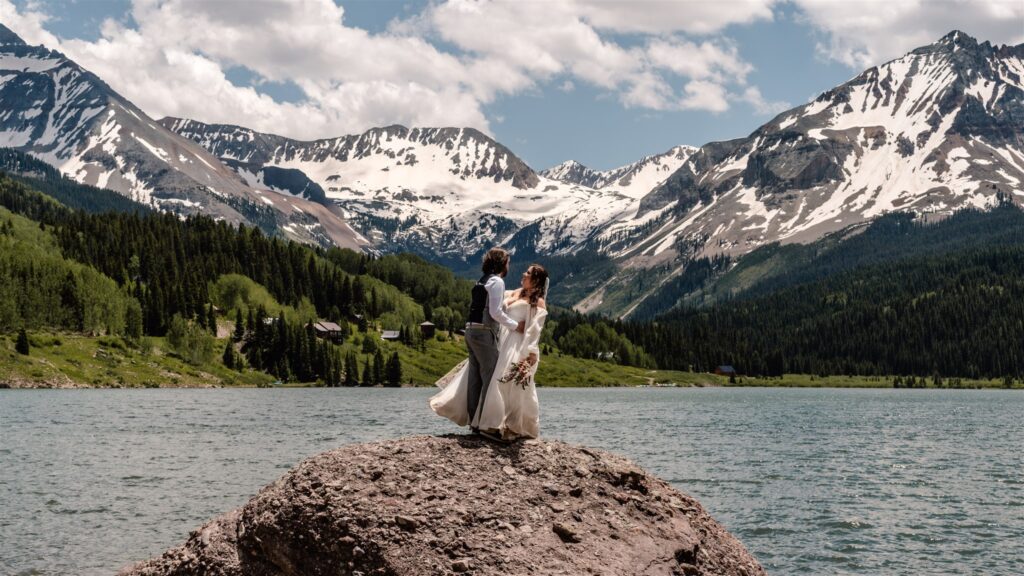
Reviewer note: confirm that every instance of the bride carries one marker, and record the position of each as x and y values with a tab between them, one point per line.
511	408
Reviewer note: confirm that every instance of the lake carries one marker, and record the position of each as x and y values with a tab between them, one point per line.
812	481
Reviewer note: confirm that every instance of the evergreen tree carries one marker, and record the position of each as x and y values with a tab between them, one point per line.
358	296
69	301
22	346
211	320
133	321
378	367
369	344
229	356
394	371
372	308
239	326
367	373
351	370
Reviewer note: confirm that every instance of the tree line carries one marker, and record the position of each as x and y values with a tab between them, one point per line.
955	314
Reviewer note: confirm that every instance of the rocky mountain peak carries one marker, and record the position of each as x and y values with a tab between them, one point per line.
634	179
957	38
8	37
573	172
934	131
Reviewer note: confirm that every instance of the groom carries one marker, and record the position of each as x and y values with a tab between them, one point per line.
485	317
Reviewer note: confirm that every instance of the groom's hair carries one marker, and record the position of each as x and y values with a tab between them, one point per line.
495	261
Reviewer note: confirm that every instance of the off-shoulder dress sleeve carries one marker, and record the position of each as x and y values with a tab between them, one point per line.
531	339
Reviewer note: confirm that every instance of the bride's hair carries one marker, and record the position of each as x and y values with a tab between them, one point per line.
538	283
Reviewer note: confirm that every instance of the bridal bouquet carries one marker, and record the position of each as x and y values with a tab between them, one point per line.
518	373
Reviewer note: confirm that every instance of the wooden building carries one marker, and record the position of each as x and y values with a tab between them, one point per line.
328	330
427	330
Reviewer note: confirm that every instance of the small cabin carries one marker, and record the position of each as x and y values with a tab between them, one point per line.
427	330
725	370
392	335
328	330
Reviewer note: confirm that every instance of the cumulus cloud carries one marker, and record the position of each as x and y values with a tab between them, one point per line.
660	17
752	95
538	41
30	24
861	36
441	66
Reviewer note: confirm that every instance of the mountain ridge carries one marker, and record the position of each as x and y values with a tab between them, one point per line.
934	131
63	114
451	192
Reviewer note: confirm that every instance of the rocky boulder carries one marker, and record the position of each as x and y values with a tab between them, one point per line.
461	504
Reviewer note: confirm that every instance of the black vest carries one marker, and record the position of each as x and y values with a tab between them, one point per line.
478	305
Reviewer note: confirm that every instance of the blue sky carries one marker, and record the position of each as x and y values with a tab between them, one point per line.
600	82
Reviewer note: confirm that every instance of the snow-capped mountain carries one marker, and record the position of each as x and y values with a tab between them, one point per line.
938	130
55	110
634	180
439	191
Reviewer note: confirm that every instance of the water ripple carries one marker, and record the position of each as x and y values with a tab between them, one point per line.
859	482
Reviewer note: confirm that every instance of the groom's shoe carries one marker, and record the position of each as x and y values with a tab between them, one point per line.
474	430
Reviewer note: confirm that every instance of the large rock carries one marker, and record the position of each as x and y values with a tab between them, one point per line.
459	504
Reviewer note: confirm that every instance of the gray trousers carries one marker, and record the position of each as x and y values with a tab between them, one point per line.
482	344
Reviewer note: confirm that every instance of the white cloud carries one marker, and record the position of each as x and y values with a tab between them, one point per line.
752	95
704	95
541	40
438	67
707	61
661	16
30	24
861	35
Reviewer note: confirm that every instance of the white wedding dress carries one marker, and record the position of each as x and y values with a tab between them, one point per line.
507	407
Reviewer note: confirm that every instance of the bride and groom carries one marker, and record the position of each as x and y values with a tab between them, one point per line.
493	390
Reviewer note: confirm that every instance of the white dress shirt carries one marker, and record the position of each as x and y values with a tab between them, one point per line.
495	287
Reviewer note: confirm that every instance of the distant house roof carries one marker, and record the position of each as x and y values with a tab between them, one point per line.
427	323
389	335
726	369
328	326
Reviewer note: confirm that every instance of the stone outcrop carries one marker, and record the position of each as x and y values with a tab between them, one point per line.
461	505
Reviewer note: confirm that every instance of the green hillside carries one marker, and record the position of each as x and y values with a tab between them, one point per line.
959	313
139	298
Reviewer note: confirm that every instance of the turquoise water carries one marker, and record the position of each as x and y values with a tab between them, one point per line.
812	481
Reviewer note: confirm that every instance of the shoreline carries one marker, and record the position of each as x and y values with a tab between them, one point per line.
4	385
72	361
